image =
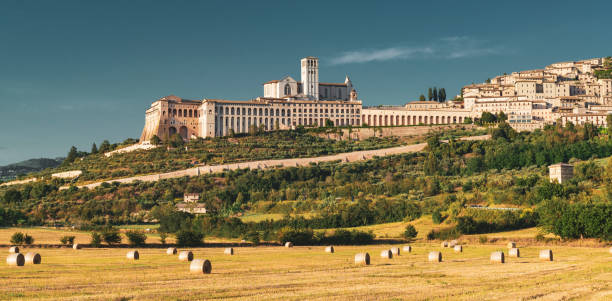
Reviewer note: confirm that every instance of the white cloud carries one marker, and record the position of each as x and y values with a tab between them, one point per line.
444	48
364	56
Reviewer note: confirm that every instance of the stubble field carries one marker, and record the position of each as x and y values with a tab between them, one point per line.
307	273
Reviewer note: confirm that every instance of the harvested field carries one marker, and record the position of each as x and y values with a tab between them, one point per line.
307	273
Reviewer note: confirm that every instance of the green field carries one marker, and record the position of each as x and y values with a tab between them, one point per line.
307	273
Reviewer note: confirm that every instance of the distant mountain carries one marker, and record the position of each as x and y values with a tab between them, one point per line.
11	171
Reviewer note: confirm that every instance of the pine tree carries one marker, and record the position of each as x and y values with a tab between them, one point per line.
442	95
435	94
429	94
422	97
94	149
72	155
430	166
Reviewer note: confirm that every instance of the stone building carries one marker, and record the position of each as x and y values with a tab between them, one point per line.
286	104
560	172
561	92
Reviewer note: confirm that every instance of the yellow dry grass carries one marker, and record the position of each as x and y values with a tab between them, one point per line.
308	273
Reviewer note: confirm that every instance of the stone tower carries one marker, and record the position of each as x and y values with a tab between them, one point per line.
310	77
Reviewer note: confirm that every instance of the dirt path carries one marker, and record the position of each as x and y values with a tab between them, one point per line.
262	164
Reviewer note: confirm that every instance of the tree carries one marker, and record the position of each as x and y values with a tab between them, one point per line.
501	116
111	236
468	120
189	238
442	95
17	238
136	238
104	147
239	199
435	94
155	140
72	155
14	196
609	123
429	94
176	140
94	148
96	239
422	97
410	232
430	167
329	123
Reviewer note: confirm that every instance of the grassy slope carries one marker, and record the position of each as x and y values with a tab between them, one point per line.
307	273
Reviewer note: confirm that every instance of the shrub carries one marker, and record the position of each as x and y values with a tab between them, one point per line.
67	240
28	239
346	237
297	237
448	233
189	238
483	239
162	237
96	239
17	238
253	237
111	236
136	238
436	217
410	232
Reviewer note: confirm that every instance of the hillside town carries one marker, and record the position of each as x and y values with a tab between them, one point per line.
561	92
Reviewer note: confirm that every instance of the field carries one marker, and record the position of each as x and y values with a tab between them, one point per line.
306	273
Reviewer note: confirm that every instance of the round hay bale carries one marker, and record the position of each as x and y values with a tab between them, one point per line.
32	258
514	252
395	251
15	259
546	255
171	251
511	245
386	254
200	266
452	243
329	249
610	250
362	258
76	246
133	255
407	249
185	256
14	250
288	244
497	257
228	251
435	256
444	244
458	248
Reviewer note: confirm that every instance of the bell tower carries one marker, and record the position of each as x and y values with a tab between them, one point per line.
310	77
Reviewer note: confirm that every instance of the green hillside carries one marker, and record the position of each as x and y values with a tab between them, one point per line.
11	171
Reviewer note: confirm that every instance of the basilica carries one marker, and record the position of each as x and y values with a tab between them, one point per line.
286	104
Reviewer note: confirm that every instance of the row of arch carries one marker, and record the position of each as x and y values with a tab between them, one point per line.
181	113
390	120
255	111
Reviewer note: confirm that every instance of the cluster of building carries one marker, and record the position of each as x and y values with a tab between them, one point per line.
561	92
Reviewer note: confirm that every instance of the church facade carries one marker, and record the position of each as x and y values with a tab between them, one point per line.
286	104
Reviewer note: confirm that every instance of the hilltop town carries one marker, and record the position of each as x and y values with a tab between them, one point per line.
577	91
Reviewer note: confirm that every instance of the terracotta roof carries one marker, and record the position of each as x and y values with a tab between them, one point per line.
271	82
332	84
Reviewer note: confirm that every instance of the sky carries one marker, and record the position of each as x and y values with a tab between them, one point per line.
79	72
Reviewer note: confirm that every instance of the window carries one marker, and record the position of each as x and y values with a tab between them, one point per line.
287	89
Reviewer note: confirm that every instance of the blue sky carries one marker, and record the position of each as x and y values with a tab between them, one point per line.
78	72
